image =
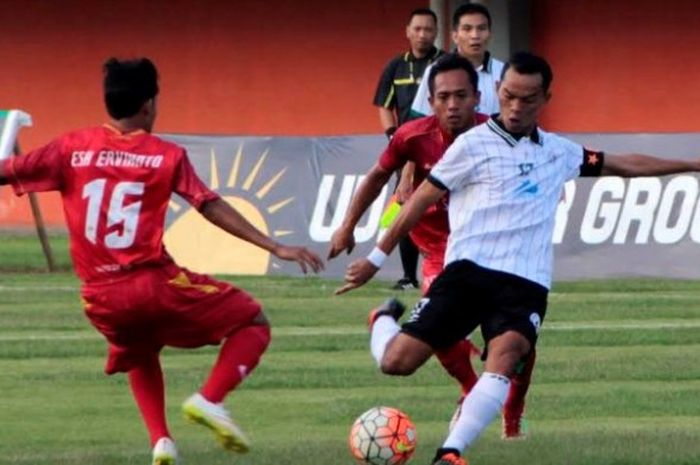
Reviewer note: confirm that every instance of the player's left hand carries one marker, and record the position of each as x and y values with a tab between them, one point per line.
303	256
404	190
342	239
357	273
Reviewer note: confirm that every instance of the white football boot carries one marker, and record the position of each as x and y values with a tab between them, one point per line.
164	452
215	417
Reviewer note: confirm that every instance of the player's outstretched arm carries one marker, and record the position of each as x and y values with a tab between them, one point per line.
634	165
362	270
343	238
221	214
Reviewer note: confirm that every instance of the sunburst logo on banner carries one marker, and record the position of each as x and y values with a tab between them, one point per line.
203	247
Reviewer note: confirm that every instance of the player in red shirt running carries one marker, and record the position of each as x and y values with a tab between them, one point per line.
423	141
116	181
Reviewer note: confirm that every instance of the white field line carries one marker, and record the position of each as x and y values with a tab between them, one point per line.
569	326
673	294
355	330
39	288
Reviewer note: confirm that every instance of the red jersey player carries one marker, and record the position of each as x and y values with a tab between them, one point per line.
453	87
115	182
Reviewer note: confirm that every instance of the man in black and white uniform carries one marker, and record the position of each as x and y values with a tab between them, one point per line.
505	179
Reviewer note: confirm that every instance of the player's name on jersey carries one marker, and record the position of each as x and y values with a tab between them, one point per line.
106	158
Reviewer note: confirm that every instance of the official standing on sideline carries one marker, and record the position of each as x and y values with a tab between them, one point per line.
395	93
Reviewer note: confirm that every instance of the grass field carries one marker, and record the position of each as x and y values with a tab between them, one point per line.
617	381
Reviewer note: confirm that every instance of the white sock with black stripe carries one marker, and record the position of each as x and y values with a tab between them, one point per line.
384	329
479	408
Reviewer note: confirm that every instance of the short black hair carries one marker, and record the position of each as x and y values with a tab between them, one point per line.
128	84
449	62
529	63
423	12
470	9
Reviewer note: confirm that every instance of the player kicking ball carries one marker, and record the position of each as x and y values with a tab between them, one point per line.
453	85
505	180
116	181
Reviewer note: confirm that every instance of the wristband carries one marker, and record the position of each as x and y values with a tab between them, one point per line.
390	132
377	257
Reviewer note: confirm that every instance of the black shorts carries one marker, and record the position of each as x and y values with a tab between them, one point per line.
466	295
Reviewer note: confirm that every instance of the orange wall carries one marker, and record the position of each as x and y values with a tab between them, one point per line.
255	67
621	65
235	67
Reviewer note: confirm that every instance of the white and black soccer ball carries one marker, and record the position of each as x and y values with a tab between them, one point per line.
383	436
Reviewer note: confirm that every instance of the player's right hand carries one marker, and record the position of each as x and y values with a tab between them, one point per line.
303	256
356	274
403	191
342	239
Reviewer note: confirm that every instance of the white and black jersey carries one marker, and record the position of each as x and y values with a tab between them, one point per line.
504	194
489	74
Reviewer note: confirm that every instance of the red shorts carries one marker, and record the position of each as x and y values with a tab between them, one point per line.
144	310
431	246
431	268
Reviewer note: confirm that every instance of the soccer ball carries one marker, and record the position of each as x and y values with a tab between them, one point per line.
383	436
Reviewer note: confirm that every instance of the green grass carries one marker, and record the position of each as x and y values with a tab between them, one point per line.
22	252
617	380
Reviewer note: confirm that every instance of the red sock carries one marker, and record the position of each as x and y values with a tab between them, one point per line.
146	381
239	355
519	384
456	360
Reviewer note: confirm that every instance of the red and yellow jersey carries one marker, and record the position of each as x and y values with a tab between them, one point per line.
115	189
423	142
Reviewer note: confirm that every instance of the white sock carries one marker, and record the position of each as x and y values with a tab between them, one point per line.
383	330
480	407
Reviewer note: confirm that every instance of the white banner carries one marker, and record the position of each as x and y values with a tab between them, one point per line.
299	189
11	122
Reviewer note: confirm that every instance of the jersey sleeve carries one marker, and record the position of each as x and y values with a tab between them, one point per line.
421	104
455	168
574	154
385	96
592	165
40	170
395	154
189	186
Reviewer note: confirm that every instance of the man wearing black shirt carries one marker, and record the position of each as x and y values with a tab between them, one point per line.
395	92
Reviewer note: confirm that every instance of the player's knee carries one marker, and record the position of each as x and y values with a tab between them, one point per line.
261	319
263	333
394	364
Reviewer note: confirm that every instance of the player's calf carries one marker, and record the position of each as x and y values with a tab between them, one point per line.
456	361
514	424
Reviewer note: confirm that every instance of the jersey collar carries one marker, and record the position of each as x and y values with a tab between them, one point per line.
430	56
486	66
126	135
495	125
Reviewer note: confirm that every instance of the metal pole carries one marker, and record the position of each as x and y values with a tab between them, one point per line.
440	9
39	223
